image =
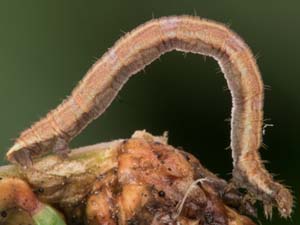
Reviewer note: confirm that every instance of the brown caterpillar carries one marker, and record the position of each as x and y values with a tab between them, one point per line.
131	54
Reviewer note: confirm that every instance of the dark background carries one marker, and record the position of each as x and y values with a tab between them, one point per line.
47	46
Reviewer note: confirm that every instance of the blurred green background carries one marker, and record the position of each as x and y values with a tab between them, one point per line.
47	46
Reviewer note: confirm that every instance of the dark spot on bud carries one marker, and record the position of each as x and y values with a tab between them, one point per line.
161	194
4	214
145	195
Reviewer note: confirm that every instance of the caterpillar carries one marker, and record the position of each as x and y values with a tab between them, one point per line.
132	53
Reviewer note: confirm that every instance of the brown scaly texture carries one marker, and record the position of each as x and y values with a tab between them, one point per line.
131	54
152	182
141	180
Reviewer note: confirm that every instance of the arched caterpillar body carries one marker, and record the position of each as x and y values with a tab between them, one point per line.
131	54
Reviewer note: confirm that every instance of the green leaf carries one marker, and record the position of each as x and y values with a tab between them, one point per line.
48	216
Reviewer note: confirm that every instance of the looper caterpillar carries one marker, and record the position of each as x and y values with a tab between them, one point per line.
131	54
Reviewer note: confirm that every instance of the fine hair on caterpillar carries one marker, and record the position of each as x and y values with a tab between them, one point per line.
130	54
